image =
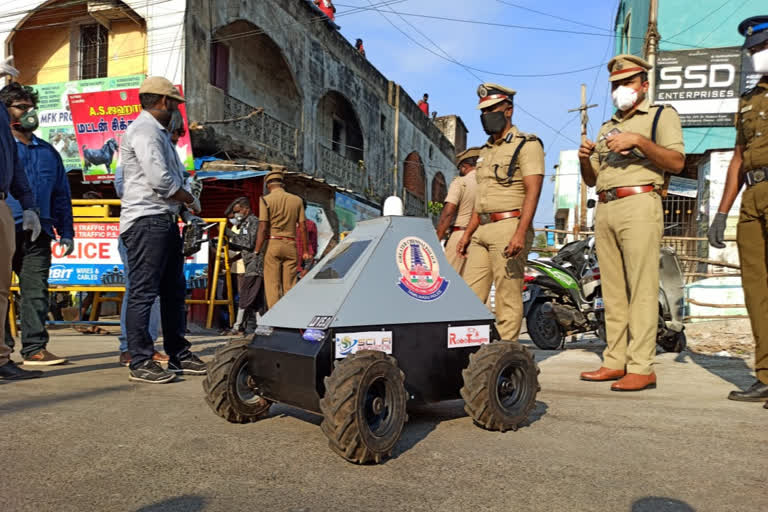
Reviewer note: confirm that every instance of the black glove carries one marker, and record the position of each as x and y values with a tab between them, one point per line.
716	232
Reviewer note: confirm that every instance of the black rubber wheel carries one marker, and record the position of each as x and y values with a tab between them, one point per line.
674	343
364	407
544	331
500	385
227	386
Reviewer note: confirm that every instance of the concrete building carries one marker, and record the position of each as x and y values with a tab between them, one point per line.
271	83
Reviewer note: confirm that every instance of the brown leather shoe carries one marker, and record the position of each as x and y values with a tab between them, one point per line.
159	357
635	382
44	358
602	375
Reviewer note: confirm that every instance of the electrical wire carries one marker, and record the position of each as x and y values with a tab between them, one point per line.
552	15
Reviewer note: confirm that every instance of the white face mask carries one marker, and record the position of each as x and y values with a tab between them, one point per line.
760	62
235	221
624	98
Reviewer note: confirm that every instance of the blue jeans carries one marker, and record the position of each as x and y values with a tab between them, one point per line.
154	314
154	249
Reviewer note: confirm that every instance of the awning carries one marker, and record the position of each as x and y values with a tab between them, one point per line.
229	175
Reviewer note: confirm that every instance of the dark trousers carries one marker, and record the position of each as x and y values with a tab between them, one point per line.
153	247
32	263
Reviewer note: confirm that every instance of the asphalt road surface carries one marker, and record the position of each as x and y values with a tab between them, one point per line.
85	438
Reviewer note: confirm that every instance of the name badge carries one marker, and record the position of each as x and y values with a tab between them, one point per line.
746	109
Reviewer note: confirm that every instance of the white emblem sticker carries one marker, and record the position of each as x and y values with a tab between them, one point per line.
351	342
469	336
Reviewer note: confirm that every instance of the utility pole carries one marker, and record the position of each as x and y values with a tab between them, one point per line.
581	219
652	37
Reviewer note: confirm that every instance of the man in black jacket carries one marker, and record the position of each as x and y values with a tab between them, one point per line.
250	282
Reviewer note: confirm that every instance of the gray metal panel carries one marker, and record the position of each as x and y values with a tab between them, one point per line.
311	297
369	294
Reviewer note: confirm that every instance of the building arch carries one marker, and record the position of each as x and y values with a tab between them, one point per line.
414	185
439	188
249	66
338	126
62	41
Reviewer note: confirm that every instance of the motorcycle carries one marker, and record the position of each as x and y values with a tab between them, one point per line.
563	296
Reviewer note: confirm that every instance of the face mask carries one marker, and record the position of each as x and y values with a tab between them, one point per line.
235	220
624	98
493	122
28	122
760	62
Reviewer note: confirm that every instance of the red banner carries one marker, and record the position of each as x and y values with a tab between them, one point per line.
101	119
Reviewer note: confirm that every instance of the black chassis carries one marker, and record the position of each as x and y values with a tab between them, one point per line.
288	369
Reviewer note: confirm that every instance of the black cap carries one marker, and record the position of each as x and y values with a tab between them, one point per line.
755	30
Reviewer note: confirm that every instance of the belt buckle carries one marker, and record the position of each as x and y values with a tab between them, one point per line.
485	218
758	175
610	195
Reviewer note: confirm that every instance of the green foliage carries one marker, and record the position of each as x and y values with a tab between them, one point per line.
435	208
540	241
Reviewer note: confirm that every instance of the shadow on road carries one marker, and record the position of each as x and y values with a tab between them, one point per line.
180	504
731	369
657	504
31	403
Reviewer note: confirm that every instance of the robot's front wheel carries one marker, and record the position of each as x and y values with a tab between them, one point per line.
229	389
364	407
500	385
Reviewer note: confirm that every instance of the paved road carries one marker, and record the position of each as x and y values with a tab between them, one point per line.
84	438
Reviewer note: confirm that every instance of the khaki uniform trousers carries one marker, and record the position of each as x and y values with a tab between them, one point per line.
752	239
279	269
486	265
7	248
457	262
628	242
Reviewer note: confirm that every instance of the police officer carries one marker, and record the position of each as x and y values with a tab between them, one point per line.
750	165
510	171
627	164
280	215
458	207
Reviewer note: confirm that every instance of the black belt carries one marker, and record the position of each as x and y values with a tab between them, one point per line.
756	176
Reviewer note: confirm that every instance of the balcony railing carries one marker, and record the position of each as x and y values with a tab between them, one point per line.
262	129
339	170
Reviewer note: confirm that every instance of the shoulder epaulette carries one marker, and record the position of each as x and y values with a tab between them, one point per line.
664	105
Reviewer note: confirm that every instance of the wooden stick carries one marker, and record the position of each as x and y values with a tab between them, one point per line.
722	306
709	262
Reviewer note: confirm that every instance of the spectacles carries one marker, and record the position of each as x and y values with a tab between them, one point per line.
23	106
760	47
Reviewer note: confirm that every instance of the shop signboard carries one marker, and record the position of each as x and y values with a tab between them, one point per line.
56	116
100	120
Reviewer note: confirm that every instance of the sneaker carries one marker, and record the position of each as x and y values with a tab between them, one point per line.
9	371
151	373
158	357
190	365
44	358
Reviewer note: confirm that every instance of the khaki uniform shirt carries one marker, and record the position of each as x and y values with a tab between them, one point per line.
283	211
462	194
616	170
752	126
492	196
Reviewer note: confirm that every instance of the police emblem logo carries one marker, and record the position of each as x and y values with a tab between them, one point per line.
482	91
750	31
419	270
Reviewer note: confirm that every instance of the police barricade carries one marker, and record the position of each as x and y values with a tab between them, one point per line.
95	265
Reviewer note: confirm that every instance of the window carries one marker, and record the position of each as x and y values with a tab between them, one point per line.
336	137
383	121
338	266
431	152
93	51
220	66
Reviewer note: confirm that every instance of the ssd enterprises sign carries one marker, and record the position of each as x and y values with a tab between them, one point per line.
96	260
703	85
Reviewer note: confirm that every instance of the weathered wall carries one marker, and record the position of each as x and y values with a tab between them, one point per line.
318	60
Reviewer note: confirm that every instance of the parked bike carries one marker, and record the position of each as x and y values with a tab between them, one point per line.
563	296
